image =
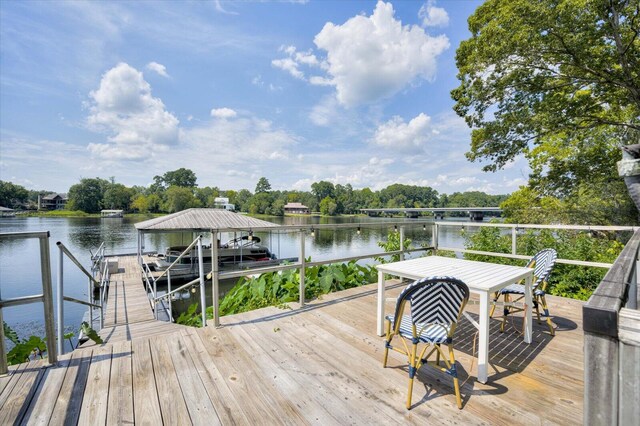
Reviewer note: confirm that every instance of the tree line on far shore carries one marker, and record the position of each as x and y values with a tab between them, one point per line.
178	190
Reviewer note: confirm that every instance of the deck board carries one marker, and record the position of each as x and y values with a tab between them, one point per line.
318	365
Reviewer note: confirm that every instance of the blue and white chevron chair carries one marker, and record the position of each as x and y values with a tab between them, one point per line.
436	306
543	263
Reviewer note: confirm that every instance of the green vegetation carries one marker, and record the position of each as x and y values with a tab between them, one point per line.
561	88
278	288
35	346
177	190
577	282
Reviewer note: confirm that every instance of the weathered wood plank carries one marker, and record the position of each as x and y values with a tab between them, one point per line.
229	407
195	395
17	401
145	393
94	403
172	401
120	405
41	409
69	402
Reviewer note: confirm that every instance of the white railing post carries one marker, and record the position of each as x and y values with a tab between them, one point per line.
302	268
434	238
90	300
215	289
155	301
402	242
203	301
60	302
514	235
4	368
170	296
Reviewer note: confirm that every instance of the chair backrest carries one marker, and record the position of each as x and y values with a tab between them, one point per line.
434	300
543	262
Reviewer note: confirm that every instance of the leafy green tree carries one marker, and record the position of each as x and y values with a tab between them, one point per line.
182	177
535	71
207	195
328	206
263	185
140	203
117	196
179	198
87	195
12	195
322	190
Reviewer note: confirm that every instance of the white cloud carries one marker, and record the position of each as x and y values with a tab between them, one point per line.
397	134
278	155
433	16
137	122
158	69
372	58
219	8
223	113
288	65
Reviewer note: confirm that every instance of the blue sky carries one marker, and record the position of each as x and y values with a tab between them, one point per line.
346	91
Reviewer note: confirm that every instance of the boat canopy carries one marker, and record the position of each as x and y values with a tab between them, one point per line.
204	220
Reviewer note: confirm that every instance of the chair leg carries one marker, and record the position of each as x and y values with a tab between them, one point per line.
493	306
412	372
456	385
505	313
387	343
546	312
438	354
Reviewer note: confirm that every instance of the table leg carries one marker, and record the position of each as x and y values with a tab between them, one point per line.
528	324
483	338
381	301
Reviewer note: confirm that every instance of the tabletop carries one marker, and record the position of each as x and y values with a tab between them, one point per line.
479	276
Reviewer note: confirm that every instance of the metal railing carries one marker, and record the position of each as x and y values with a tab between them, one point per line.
514	235
46	297
100	264
151	281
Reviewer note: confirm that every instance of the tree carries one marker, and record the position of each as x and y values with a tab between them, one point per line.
328	206
117	196
322	189
179	198
536	72
263	185
182	177
87	195
12	195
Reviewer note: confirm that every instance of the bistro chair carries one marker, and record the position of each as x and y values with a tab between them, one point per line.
436	305
543	263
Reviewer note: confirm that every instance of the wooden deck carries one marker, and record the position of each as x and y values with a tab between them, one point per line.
317	365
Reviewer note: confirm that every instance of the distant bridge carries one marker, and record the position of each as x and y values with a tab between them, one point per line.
475	213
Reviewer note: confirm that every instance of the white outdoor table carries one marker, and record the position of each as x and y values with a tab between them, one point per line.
482	278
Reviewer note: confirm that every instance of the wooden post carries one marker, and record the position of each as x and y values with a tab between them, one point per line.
47	291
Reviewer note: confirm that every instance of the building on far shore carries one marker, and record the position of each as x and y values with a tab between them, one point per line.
52	201
296	208
223	203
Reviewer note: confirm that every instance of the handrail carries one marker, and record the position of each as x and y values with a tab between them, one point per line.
92	284
188	249
182	287
147	275
514	235
76	262
46	297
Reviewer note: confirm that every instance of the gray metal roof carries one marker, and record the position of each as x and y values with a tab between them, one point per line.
203	220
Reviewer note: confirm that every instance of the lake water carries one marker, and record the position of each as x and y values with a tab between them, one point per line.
20	262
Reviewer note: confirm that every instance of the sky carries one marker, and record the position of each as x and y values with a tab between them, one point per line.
351	92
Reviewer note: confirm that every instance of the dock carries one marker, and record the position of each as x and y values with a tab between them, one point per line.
321	364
